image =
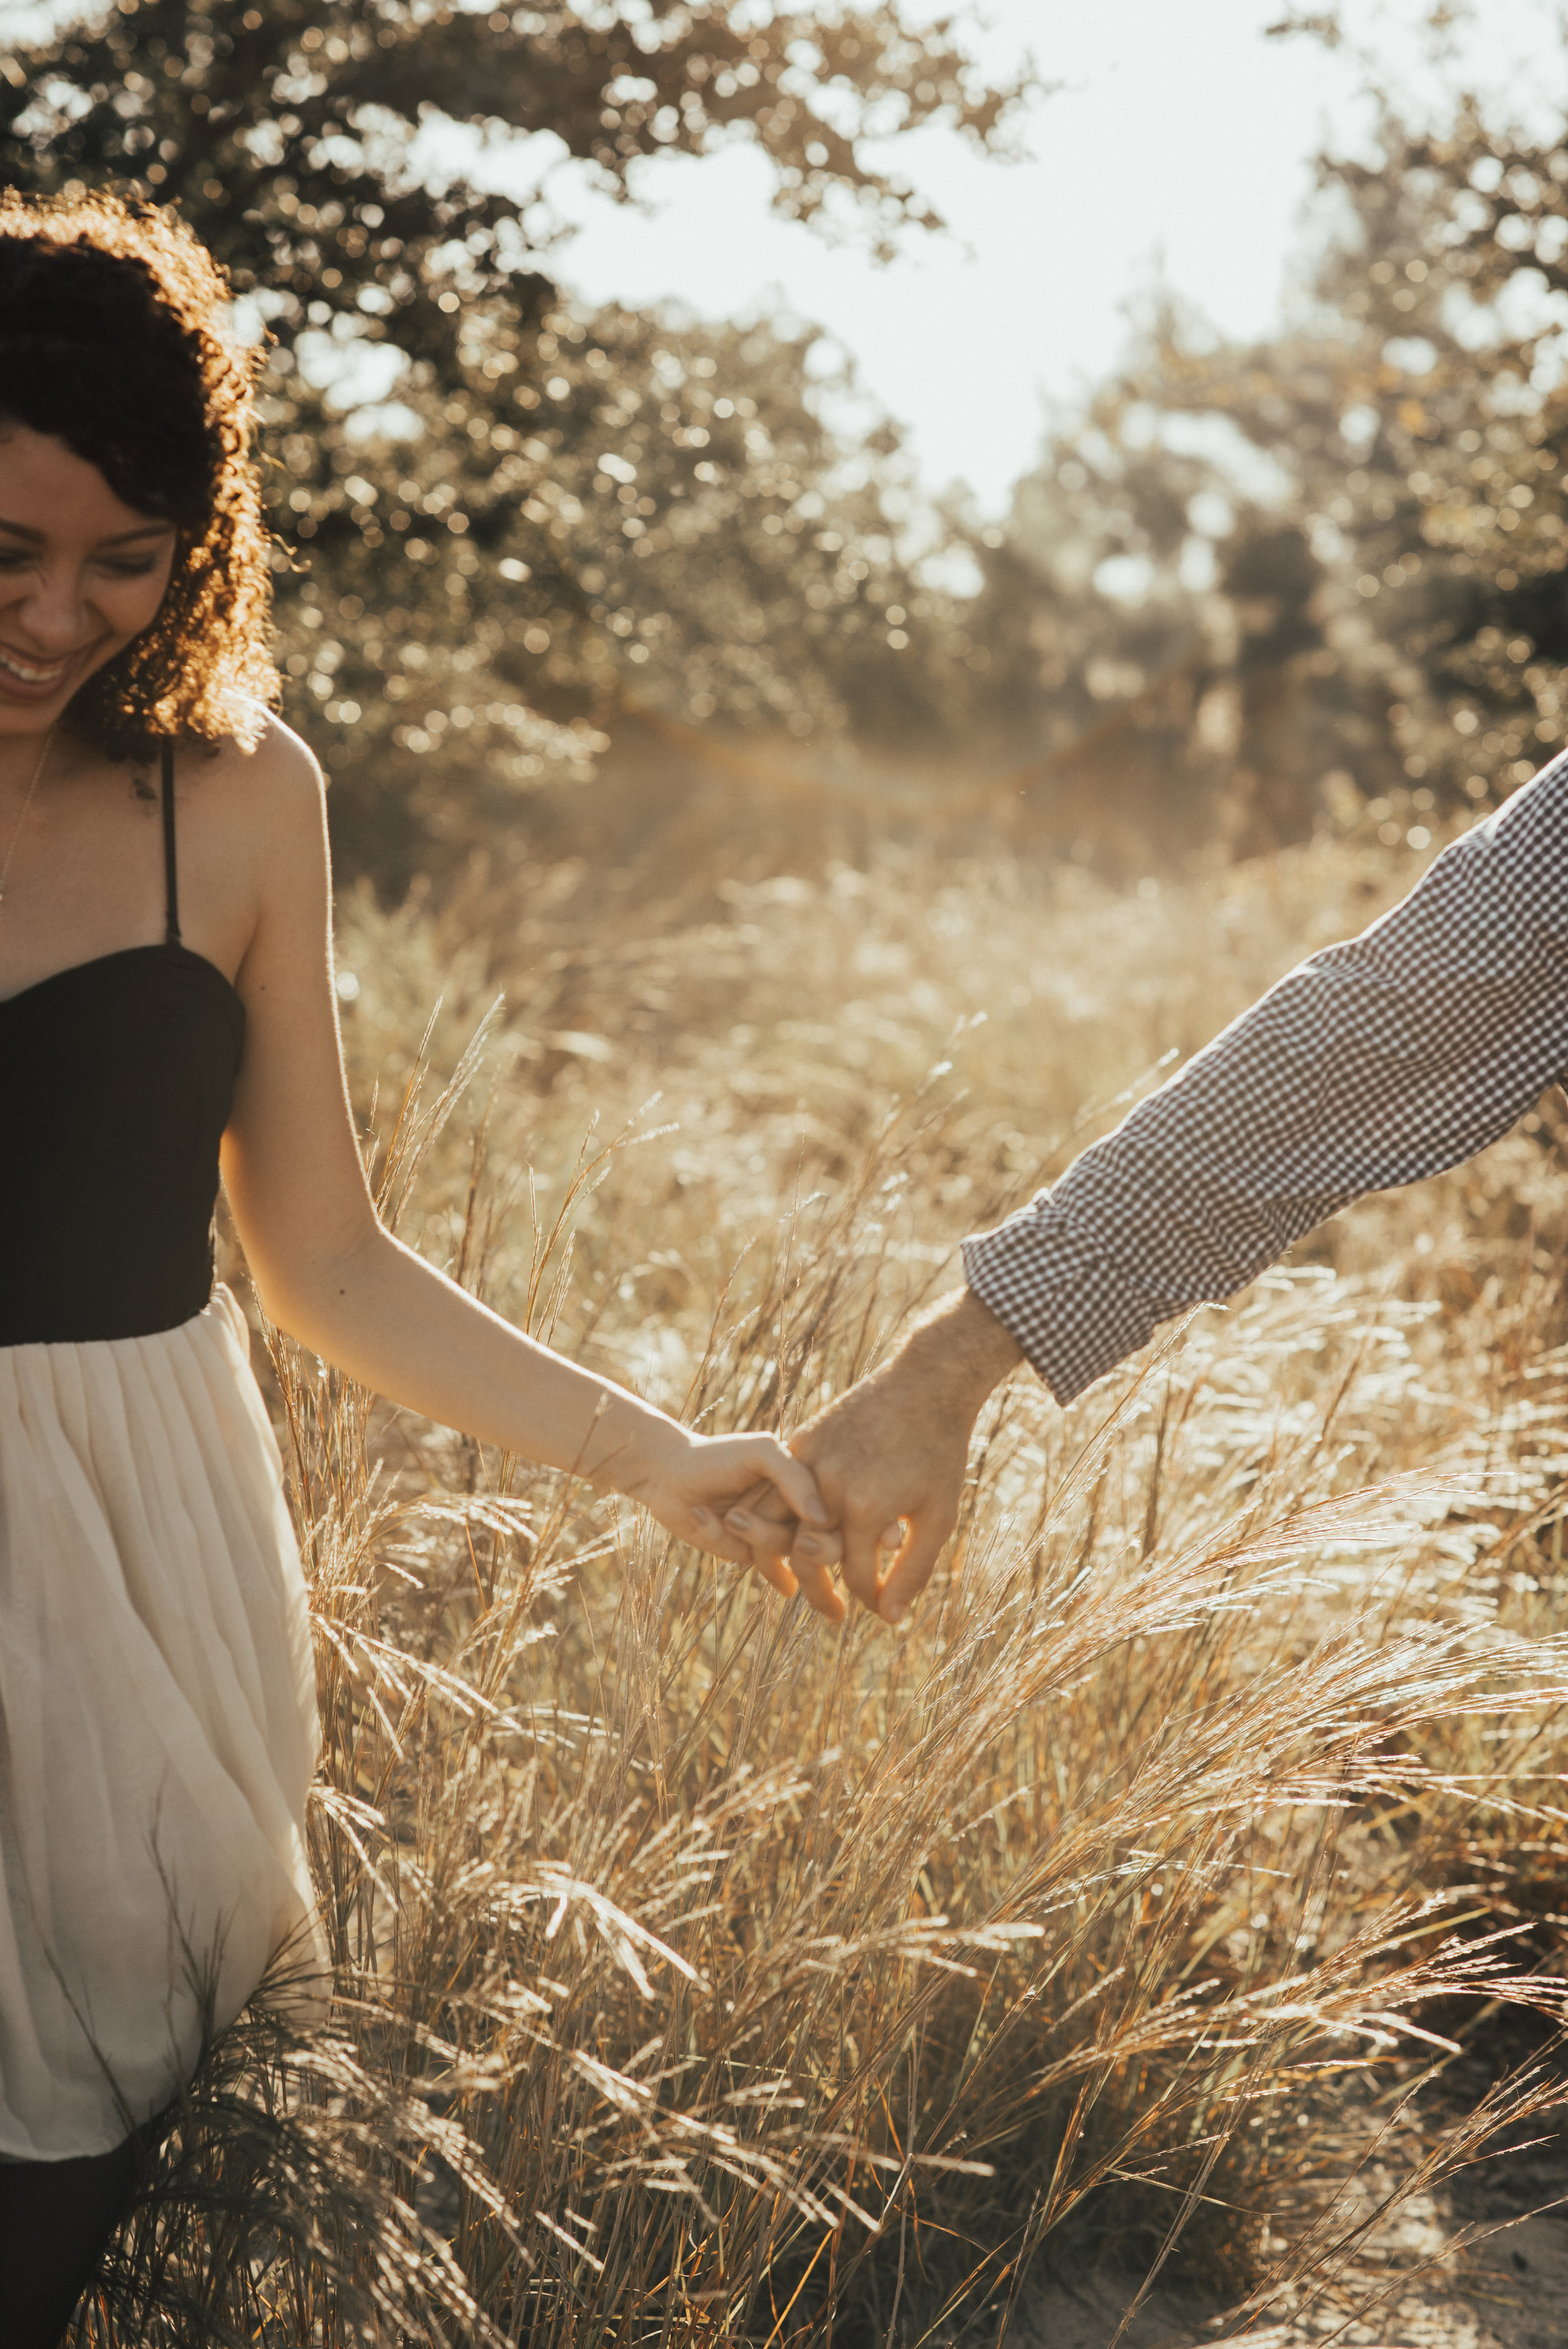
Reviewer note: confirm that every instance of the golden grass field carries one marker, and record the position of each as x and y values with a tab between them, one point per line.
709	1975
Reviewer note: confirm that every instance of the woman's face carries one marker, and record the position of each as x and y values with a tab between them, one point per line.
80	574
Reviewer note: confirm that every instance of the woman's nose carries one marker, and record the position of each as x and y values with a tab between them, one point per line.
51	611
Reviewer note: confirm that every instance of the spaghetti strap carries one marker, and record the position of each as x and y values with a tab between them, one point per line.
170	869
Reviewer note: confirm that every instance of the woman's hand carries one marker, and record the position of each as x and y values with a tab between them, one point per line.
891	1455
692	1483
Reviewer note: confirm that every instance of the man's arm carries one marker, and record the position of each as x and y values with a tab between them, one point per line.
1374	1063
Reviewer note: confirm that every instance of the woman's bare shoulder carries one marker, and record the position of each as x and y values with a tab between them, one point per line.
272	783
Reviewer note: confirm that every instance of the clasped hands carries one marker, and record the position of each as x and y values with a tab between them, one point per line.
888	1458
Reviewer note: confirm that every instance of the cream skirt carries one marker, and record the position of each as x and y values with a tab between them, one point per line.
158	1724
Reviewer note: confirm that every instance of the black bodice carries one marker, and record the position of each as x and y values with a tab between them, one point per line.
117	1080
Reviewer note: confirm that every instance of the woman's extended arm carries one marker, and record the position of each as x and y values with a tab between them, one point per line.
328	1273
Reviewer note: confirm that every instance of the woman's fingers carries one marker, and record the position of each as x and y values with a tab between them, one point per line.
774	1572
769	1534
763	1518
764	1549
715	1535
814	1547
706	1531
780	1517
795	1577
811	1553
791	1479
777	1519
786	1538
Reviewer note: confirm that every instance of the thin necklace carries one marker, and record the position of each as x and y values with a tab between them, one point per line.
21	819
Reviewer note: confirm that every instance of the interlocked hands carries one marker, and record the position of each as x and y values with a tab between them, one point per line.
890	1459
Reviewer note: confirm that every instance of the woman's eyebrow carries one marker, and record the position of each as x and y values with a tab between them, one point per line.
121	538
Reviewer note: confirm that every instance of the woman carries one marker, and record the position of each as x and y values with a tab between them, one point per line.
166	1006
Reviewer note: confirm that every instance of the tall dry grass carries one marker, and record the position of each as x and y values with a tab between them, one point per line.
706	1975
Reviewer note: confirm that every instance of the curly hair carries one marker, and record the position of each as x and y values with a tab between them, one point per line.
111	340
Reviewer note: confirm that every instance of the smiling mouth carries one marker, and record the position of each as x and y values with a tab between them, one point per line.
29	673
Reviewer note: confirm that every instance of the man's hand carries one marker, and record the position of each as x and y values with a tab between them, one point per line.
689	1483
891	1455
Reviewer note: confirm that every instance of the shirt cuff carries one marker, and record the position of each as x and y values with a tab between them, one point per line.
1074	1313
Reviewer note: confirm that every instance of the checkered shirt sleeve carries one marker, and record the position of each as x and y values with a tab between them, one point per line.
1375	1063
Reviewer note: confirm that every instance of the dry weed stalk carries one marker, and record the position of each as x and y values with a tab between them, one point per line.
703	1976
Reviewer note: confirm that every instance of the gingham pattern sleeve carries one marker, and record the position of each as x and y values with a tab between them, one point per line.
1374	1062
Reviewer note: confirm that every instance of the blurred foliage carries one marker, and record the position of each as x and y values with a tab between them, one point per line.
508	520
1446	368
1348	540
652	537
1246	591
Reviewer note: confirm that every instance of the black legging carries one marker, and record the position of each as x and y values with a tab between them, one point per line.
55	2217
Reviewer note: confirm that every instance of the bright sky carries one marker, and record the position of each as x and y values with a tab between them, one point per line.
1182	143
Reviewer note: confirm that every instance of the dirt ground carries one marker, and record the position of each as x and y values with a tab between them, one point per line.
1511	2292
1482	2264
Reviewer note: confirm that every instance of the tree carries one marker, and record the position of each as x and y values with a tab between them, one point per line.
510	573
1419	414
1462	532
652	537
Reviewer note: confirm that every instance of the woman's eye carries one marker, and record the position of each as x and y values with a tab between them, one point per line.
137	566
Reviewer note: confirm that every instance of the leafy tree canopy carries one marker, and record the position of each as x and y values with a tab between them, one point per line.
568	519
562	513
1391	613
1422	411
